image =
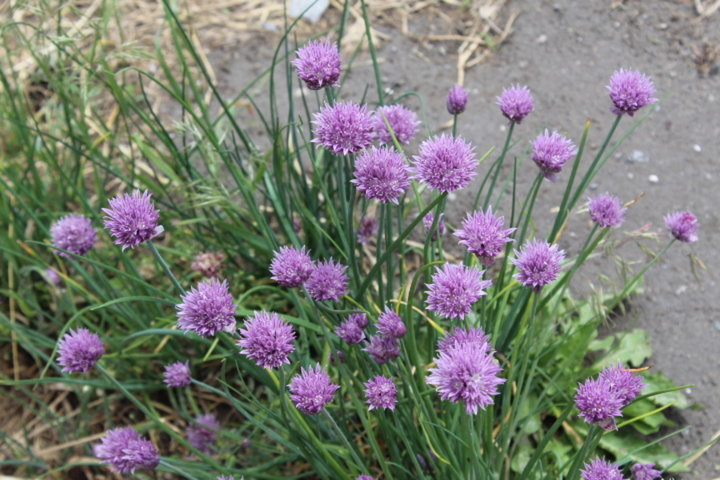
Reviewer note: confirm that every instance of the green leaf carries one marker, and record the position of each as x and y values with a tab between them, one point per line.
633	349
657	382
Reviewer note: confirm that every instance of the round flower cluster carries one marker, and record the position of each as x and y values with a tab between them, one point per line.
208	264
344	128
538	264
403	123
318	64
606	210
293	267
457	99
132	219
126	451
202	433
445	163
466	371
629	91
485	235
683	226
351	330
601	400
382	174
455	289
207	308
267	339
550	152
73	233
177	374
515	103
390	324
311	390
381	392
382	348
79	350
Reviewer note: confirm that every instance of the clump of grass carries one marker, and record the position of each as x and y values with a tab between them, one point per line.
470	362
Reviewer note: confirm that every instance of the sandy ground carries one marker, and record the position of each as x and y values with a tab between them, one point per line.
565	54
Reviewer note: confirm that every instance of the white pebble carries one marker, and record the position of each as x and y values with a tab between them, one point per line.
542	39
653	178
630	175
697	148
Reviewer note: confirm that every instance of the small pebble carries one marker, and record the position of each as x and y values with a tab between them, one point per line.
653	178
630	175
681	289
638	156
542	39
697	148
593	186
717	326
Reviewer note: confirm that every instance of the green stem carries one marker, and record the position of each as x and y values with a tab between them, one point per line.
165	267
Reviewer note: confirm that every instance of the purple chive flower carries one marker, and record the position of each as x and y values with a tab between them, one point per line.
598	403
177	374
402	120
551	151
466	373
318	64
207	308
132	219
382	174
428	221
380	392
624	383
390	324
291	267
630	91
208	264
225	477
600	469
73	233
445	163
350	332
484	235
365	477
343	128
515	103
606	210
360	319
202	433
367	230
538	263
126	451
267	339
682	225
328	281
459	336
311	390
645	471
454	290
382	349
79	350
457	99
52	277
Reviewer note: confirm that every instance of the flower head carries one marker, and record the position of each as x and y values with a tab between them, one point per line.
682	225
515	103
551	151
202	433
318	64
350	332
600	469
291	267
382	349
598	403
343	128
73	233
267	339
126	451
360	319
457	99
466	373
208	264
79	350
390	324
365	477
606	210
402	120
311	390
382	174
367	229
538	263
484	235
327	281
52	277
645	471
132	219
624	383
629	91
445	163
428	221
207	308
380	392
177	374
460	336
454	290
